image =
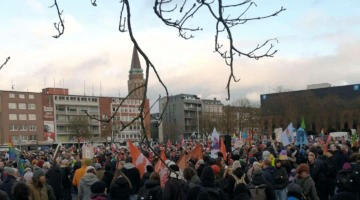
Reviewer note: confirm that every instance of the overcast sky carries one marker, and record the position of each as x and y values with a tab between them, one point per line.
319	42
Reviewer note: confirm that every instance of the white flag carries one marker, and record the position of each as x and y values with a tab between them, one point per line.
287	136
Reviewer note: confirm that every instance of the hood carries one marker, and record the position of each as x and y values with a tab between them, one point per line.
129	166
89	179
207	176
270	169
151	183
258	180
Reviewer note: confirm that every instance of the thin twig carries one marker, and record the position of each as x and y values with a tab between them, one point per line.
60	25
6	61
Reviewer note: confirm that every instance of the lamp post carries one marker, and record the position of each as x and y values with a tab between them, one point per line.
197	114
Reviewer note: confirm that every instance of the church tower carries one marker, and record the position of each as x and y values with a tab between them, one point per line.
136	76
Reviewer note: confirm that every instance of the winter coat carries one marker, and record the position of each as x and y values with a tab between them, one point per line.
85	184
50	192
241	192
133	174
120	189
107	178
259	180
308	186
100	173
98	196
38	193
344	195
145	177
317	171
155	187
281	179
200	169
269	173
65	177
172	189
54	179
79	173
7	184
195	180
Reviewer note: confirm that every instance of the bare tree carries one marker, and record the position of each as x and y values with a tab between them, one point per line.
6	61
79	128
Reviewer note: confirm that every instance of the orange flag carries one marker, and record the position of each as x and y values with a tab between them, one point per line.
139	160
222	148
160	165
181	163
197	153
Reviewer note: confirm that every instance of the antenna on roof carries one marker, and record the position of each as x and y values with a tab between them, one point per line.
92	89
12	85
100	89
84	89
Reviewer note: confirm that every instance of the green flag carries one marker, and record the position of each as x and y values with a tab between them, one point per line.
303	123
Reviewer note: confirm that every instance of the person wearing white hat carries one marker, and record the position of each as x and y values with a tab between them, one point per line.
86	181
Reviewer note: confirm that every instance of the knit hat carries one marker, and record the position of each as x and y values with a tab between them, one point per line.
283	155
347	166
265	154
87	162
38	172
40	163
9	170
97	166
215	168
174	168
236	164
200	162
46	165
89	168
302	168
98	187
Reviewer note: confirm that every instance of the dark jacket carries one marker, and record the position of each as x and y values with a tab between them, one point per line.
318	171
107	178
344	195
65	177
241	192
120	189
281	178
145	177
175	189
154	187
133	175
269	173
54	179
259	180
308	186
7	184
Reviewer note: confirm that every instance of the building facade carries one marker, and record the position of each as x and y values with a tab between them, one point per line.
48	117
328	108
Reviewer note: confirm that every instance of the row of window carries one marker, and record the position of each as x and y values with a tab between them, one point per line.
127	101
23	137
131	127
21	96
130	136
123	118
73	98
126	110
75	109
23	127
22	117
22	106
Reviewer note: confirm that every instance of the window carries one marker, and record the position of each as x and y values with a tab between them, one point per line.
22	106
21	96
23	127
73	98
22	117
32	127
25	137
32	137
61	98
31	106
12	105
12	117
32	117
13	127
14	138
31	96
11	95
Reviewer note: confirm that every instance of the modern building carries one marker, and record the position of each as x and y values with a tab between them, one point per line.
329	108
47	117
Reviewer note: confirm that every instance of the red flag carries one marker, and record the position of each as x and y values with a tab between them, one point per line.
182	161
139	160
160	165
223	148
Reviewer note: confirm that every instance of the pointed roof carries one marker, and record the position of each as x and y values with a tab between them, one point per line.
135	61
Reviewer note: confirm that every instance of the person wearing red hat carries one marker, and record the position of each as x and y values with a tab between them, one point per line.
307	184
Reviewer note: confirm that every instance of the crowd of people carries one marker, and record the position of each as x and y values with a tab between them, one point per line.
257	170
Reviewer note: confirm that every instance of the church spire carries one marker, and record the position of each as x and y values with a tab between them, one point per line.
136	76
135	61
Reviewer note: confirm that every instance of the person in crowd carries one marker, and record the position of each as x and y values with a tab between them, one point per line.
175	187
151	189
146	175
199	166
98	190
191	177
207	188
45	166
86	181
108	176
281	180
99	171
28	174
241	192
54	179
294	192
65	178
260	187
268	171
9	181
133	174
307	184
3	195
120	186
318	171
20	191
38	189
79	173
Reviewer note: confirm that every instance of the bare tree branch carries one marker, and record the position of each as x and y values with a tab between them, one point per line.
93	2
60	25
6	61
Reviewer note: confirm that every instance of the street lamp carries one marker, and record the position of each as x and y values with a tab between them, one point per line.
197	115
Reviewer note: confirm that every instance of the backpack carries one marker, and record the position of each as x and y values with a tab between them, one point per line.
346	181
258	192
206	193
237	181
303	194
146	194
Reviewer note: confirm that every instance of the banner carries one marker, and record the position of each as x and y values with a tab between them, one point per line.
49	131
278	132
287	136
215	145
87	151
